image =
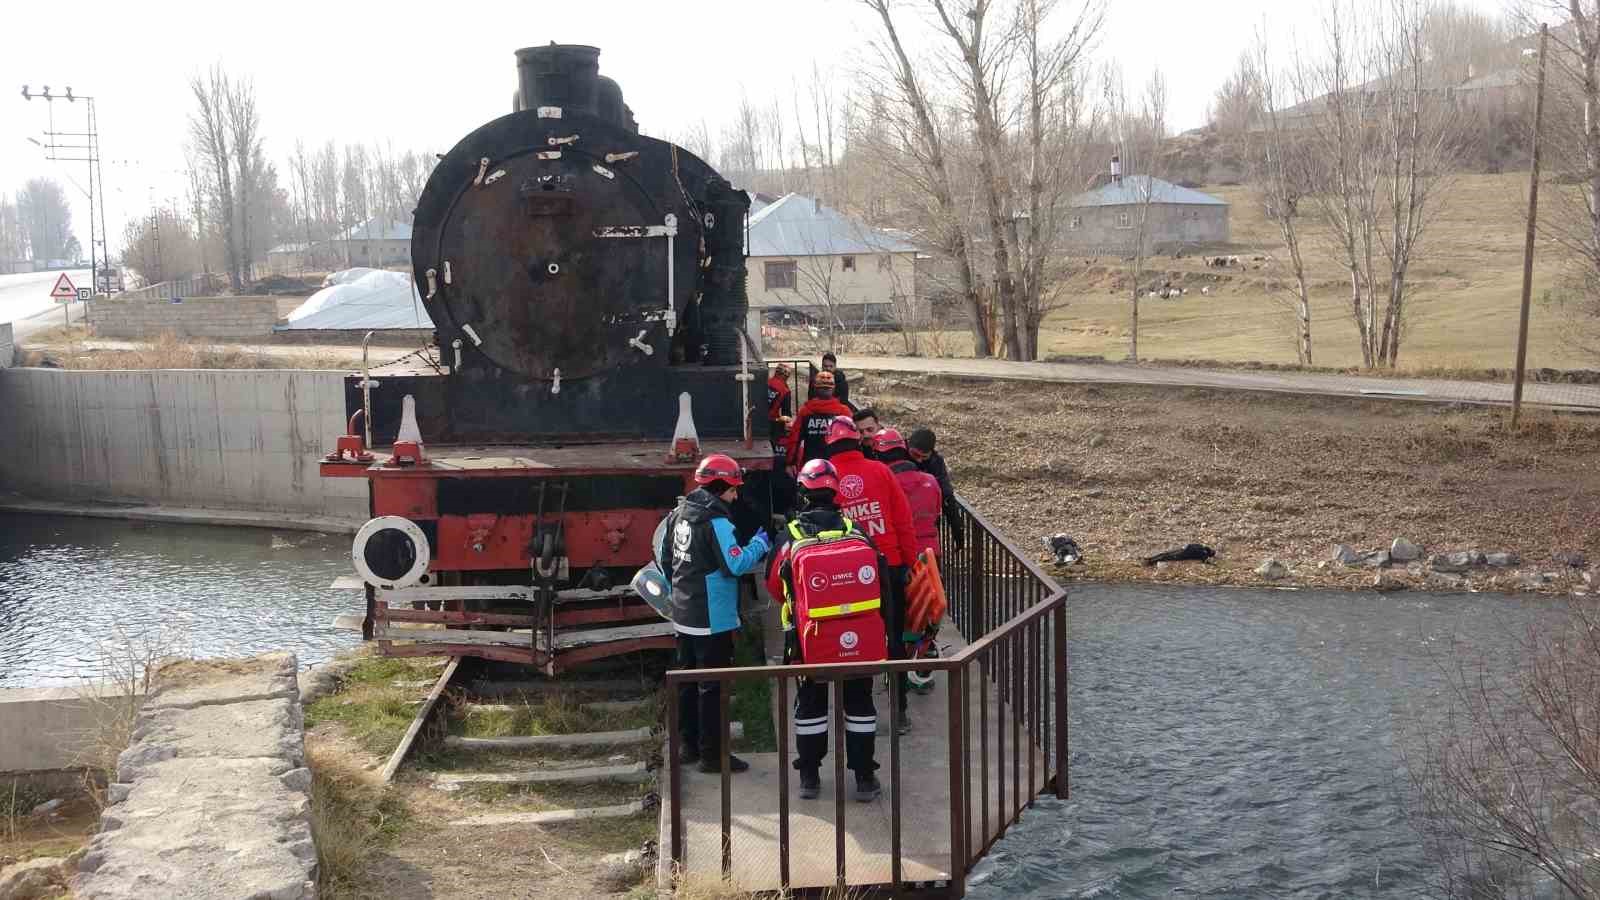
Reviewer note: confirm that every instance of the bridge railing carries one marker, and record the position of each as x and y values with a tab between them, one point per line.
1002	741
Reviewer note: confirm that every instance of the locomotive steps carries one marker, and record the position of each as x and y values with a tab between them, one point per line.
565	767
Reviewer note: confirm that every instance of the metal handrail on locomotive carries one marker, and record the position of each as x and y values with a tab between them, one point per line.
587	289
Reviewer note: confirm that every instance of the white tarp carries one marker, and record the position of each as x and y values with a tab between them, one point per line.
360	300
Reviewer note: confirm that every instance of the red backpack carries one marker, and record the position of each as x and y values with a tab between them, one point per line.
835	599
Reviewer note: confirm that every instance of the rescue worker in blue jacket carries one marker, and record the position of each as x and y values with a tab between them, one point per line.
706	562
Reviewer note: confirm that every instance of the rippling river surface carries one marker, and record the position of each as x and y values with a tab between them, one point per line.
1230	743
1225	743
73	588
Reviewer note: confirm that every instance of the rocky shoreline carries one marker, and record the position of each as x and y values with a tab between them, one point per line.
1402	566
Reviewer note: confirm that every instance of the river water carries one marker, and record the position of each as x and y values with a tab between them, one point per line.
1225	743
75	590
1247	744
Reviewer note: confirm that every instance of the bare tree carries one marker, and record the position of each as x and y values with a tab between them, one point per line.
1388	140
1572	136
1139	148
45	218
160	246
211	141
1239	104
1056	149
924	164
984	56
1276	163
1344	155
13	238
244	127
198	191
1420	130
1508	787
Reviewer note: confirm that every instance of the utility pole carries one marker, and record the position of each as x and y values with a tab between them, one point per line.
1527	247
57	150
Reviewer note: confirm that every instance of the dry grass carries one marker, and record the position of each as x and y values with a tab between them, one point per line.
69	349
351	818
1462	315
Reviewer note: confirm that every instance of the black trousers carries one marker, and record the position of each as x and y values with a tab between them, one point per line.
699	703
895	622
811	725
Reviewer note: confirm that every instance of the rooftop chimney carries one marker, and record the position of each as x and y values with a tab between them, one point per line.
1116	169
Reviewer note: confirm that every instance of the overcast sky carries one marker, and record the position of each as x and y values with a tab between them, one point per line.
422	76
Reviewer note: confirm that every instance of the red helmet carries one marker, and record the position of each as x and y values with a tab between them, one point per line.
818	475
888	439
843	428
718	467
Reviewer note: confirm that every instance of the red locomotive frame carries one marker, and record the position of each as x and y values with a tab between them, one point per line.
481	562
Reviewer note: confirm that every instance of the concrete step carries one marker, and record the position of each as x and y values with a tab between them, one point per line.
620	706
634	773
562	686
554	815
600	706
546	741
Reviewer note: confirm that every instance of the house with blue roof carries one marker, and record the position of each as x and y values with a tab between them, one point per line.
810	262
1105	221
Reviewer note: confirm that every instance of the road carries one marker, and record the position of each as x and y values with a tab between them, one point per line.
1558	396
25	300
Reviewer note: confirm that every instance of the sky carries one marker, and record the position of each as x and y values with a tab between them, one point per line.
421	76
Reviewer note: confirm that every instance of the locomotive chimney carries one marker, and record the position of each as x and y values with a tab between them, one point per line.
568	76
564	75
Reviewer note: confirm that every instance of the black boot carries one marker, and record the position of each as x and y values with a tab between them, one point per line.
810	784
713	765
867	788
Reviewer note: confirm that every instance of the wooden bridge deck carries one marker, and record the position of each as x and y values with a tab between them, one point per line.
924	810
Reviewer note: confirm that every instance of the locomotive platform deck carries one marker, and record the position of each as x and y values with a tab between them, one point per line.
924	806
619	458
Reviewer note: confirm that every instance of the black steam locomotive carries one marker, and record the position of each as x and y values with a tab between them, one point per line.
587	289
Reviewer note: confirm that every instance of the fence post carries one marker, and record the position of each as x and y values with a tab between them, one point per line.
1059	676
955	685
975	623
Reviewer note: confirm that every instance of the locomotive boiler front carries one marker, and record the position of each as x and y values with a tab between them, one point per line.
567	260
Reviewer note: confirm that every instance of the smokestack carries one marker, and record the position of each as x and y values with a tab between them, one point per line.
1116	169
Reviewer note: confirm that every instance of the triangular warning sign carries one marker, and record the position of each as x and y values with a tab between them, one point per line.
64	289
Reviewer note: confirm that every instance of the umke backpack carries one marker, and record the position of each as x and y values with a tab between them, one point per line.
836	597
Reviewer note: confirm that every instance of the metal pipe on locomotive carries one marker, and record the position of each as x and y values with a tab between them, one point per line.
584	280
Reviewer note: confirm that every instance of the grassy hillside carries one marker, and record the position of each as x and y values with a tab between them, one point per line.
1463	312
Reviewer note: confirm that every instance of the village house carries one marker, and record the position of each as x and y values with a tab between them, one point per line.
1105	221
811	263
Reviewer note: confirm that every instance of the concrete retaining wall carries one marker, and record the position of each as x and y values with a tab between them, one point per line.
48	729
117	316
243	440
212	798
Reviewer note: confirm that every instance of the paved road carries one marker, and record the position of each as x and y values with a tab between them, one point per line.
25	300
1567	396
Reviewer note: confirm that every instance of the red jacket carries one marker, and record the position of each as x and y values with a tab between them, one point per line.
809	433
927	501
870	496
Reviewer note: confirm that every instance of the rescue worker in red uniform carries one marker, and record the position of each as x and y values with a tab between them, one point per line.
818	485
808	435
870	496
921	489
780	405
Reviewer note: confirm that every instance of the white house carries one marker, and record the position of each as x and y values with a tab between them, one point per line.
810	262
